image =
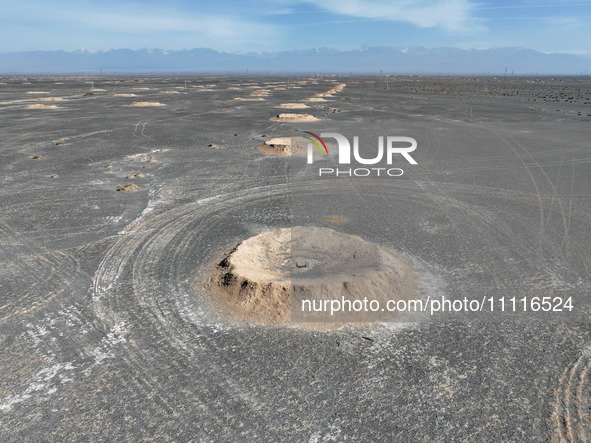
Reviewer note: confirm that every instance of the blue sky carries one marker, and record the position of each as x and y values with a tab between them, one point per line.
272	25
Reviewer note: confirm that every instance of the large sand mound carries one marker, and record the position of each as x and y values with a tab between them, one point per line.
285	146
294	118
145	104
266	277
292	106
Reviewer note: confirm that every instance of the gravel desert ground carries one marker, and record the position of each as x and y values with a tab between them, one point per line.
121	196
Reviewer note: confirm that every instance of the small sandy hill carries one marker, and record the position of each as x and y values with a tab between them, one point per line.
146	104
285	146
40	106
249	99
266	278
169	92
50	99
36	92
128	187
294	118
124	95
292	106
313	99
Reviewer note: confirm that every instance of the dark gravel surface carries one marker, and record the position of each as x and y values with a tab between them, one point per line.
108	334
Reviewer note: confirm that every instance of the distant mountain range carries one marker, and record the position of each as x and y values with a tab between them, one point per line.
372	60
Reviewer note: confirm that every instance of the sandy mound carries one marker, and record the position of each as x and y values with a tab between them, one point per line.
285	146
50	99
124	95
39	106
266	278
36	92
249	99
146	104
97	90
141	89
313	99
294	118
128	187
169	92
292	106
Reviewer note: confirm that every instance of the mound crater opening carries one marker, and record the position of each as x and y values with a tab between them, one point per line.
266	278
285	146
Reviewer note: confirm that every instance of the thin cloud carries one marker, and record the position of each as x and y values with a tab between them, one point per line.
128	19
448	14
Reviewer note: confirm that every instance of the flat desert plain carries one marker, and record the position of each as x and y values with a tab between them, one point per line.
123	199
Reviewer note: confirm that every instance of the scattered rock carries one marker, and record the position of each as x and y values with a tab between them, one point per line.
60	143
54	176
37	157
213	145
